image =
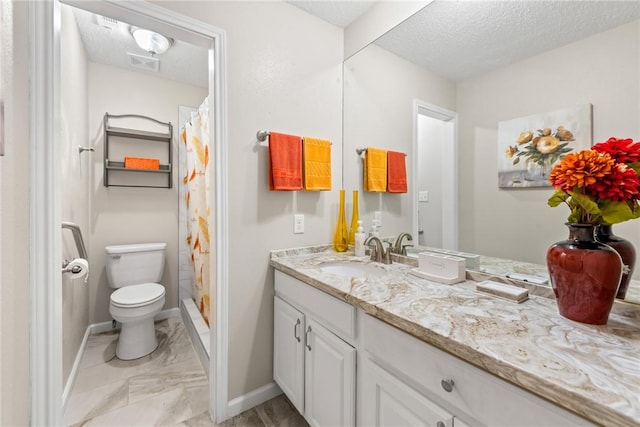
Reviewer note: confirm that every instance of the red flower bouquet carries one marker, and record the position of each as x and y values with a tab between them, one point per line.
600	185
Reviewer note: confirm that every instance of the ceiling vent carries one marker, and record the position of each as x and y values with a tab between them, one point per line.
146	63
105	22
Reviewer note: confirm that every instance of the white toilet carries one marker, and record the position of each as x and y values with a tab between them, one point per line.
135	272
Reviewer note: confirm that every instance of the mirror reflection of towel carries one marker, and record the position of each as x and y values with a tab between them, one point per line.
317	164
396	172
375	170
285	162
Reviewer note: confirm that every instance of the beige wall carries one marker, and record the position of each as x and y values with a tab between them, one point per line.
132	215
14	225
380	89
601	70
74	183
283	74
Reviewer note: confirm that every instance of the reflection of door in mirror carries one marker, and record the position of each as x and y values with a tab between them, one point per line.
435	220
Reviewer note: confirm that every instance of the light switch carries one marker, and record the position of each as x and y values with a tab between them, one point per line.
298	224
423	196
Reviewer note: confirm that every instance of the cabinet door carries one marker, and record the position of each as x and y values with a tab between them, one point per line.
387	401
288	351
330	379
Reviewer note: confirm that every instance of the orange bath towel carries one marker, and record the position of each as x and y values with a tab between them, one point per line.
317	164
285	162
396	172
141	163
375	170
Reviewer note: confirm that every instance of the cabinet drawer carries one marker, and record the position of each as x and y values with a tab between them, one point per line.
476	396
336	315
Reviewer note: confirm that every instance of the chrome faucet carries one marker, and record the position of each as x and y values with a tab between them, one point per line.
378	253
400	249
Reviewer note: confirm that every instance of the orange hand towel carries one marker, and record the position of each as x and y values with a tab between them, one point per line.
375	170
285	162
317	164
396	172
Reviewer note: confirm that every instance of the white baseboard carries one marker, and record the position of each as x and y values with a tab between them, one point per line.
253	398
74	370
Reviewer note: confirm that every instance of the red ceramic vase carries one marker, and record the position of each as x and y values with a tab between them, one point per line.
626	251
585	275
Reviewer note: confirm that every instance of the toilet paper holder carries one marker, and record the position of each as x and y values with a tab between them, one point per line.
75	269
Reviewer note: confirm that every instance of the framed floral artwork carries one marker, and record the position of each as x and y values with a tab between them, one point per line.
528	147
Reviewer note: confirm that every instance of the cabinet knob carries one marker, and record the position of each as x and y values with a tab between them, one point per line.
447	385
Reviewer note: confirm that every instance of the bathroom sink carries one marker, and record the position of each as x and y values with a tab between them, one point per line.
350	269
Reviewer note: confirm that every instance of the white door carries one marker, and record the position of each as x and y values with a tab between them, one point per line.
288	351
330	367
388	402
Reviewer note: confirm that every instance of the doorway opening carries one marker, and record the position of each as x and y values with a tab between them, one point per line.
435	176
46	199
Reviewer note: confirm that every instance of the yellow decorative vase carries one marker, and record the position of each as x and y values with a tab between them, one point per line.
354	219
341	236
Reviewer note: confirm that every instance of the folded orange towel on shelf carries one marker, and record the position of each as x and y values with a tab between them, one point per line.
316	164
396	172
141	163
285	162
375	170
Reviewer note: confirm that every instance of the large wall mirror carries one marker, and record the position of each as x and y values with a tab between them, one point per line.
437	85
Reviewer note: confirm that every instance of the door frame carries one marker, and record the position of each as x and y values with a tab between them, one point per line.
449	172
45	201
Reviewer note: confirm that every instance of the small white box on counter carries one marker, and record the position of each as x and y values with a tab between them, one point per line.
441	268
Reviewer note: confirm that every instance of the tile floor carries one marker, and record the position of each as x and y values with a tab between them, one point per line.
167	387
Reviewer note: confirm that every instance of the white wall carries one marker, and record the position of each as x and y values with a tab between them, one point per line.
74	181
284	74
380	89
132	215
602	70
15	402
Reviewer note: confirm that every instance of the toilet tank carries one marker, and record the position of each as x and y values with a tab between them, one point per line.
134	264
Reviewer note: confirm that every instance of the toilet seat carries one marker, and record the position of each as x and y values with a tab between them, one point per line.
137	295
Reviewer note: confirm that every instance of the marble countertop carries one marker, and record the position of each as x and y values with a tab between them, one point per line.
593	371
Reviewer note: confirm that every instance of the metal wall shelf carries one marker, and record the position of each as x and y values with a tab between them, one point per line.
113	166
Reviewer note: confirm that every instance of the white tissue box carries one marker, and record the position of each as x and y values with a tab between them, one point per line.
449	269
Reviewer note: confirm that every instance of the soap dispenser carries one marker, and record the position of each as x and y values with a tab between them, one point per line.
360	237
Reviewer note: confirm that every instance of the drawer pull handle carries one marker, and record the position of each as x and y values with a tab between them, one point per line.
440	424
306	338
295	330
447	385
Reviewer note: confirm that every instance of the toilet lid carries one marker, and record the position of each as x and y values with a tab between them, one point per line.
137	295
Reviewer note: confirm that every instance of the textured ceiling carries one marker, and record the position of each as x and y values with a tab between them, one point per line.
455	39
183	62
462	39
339	13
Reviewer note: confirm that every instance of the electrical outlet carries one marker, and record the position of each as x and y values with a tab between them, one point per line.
377	216
423	196
298	224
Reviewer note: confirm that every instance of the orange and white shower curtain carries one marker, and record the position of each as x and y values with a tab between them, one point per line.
197	199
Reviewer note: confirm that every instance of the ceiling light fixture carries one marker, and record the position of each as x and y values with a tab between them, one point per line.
150	41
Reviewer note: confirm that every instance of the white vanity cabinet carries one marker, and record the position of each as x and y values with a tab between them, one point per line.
437	380
313	365
386	401
401	380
